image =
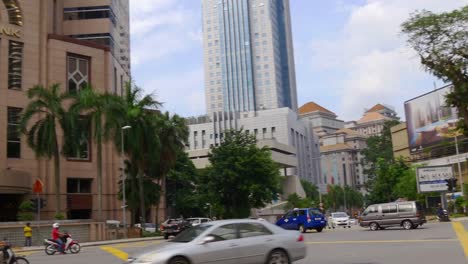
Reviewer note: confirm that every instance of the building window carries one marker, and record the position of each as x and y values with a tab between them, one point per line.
81	151
92	12
78	73
13	138
79	185
273	131
15	65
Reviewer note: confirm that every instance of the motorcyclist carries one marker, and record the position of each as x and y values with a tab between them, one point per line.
57	237
440	211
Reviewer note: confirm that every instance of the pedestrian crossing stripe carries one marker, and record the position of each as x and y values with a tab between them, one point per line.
462	235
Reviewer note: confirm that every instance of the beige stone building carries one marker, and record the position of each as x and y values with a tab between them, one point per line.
73	43
371	123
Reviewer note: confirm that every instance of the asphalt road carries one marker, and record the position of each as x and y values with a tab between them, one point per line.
434	243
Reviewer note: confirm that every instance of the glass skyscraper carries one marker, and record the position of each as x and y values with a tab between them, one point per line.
248	55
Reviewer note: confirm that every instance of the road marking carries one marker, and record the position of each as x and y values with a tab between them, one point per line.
382	241
462	236
116	252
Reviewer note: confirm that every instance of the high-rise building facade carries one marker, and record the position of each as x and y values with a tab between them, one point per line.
248	55
73	43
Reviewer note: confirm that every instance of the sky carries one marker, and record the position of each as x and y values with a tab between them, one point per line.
349	54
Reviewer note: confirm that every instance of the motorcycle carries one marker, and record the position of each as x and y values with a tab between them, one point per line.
443	216
8	256
51	246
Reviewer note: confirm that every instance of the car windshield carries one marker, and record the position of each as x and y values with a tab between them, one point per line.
190	234
339	215
192	220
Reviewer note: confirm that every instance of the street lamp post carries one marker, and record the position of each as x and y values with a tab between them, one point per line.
124	178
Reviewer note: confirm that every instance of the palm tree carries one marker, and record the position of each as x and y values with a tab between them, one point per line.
46	111
173	133
141	142
104	112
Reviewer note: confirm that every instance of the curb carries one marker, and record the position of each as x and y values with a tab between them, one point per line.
91	244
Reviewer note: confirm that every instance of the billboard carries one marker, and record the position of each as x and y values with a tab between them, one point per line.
427	118
433	178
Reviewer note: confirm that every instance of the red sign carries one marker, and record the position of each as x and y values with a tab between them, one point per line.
37	187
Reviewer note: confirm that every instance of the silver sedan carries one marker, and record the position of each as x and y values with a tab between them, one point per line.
229	242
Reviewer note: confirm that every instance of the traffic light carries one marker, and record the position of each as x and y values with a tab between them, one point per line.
38	203
35	204
451	184
42	203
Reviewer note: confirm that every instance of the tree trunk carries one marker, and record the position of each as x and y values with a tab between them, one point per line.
57	179
142	198
99	177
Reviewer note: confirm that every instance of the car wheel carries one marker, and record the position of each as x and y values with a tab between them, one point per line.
278	256
407	225
302	229
166	236
179	260
374	226
319	229
415	226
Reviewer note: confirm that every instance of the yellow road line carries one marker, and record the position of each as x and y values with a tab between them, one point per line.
462	236
382	241
116	252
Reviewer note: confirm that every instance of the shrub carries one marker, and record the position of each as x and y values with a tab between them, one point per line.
60	216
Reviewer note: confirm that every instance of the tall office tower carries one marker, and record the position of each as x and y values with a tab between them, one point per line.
248	55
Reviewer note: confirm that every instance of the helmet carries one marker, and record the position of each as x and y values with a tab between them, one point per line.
56	225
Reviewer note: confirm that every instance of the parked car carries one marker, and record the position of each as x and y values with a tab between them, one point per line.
340	219
303	219
229	242
148	227
408	215
173	226
194	221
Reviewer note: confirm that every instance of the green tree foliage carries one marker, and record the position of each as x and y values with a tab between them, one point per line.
378	147
241	176
39	123
311	190
295	201
388	175
103	111
181	187
338	197
26	210
406	186
441	43
151	144
151	190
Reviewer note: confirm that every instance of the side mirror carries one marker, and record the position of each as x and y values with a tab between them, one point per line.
207	240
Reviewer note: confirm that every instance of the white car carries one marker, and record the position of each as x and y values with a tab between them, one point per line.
229	242
149	227
340	219
197	220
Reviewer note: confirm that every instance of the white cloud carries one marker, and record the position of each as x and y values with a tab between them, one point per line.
376	65
161	28
181	92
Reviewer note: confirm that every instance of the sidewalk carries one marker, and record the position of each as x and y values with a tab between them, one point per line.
459	219
90	244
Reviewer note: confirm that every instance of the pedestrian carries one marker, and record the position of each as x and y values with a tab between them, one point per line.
27	235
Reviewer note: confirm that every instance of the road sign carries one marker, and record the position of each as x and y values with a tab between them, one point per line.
433	178
38	186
